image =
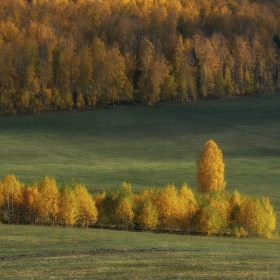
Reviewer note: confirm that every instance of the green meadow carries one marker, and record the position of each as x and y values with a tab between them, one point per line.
147	147
32	252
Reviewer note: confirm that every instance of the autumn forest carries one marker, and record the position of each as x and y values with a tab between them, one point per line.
63	54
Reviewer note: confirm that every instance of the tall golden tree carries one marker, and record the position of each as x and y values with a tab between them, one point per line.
210	169
68	208
48	200
87	211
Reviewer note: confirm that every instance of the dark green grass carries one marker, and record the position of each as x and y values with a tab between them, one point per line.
31	252
148	146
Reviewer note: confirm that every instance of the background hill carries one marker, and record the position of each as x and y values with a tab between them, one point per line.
60	55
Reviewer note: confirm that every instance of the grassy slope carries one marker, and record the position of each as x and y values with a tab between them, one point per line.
148	146
29	252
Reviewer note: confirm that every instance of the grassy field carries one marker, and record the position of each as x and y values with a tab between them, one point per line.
148	147
29	252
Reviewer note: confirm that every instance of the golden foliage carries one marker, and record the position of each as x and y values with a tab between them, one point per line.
146	212
167	205
124	212
31	200
188	206
91	53
48	200
68	207
99	202
256	216
11	194
87	211
212	212
210	174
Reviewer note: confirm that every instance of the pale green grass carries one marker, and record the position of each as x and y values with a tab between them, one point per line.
31	252
148	146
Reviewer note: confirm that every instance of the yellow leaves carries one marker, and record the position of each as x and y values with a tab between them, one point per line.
124	212
146	54
210	174
68	207
80	103
99	203
11	196
187	208
212	212
87	211
48	200
9	31
167	205
244	214
31	199
208	220
154	71
109	73
43	203
126	187
102	78
255	216
147	215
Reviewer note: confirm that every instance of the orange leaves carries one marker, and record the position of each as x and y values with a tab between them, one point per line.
210	174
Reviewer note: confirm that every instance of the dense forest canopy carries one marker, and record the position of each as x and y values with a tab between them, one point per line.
63	54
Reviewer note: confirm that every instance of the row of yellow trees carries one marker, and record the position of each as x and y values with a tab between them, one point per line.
64	54
210	211
181	210
166	209
43	203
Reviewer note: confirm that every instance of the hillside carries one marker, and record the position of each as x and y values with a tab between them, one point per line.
71	253
63	55
148	146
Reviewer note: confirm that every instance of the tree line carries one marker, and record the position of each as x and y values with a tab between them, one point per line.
72	54
211	210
